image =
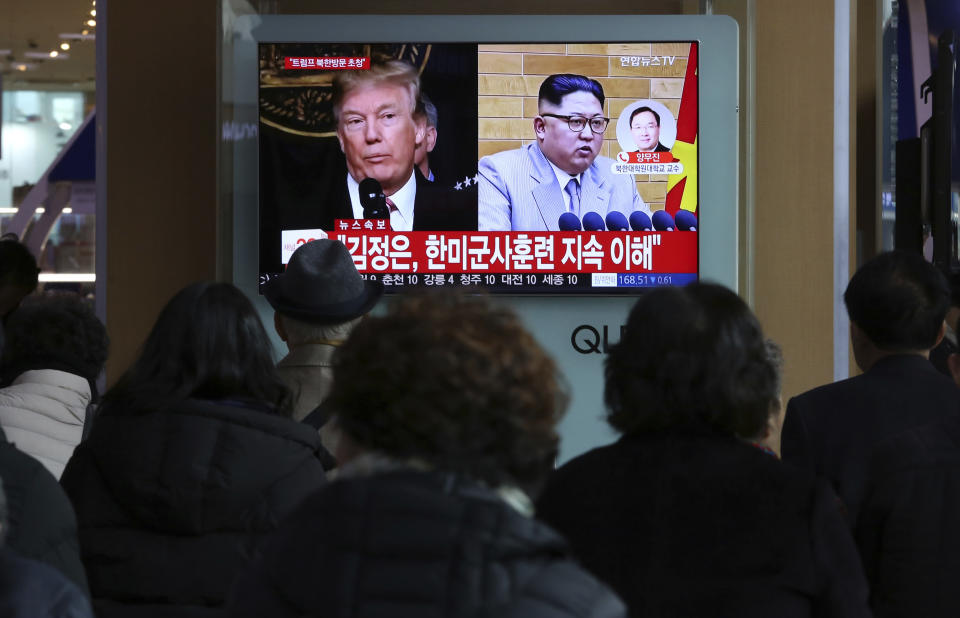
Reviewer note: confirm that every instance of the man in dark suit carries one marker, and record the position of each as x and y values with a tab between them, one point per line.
380	124
896	303
645	129
907	531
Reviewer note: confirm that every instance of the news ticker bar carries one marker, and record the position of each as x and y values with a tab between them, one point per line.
524	283
595	280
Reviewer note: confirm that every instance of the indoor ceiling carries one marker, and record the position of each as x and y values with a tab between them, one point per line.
35	26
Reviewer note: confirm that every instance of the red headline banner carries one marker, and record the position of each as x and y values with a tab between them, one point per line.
519	252
326	63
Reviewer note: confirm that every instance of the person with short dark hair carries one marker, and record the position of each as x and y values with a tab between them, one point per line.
54	350
684	515
192	459
645	129
529	188
896	302
31	589
448	409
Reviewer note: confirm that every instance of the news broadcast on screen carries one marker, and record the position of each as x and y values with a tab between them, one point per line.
565	168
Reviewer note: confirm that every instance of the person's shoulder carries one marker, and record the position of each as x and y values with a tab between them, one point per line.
826	395
508	157
444	208
934	445
599	456
196	424
580	474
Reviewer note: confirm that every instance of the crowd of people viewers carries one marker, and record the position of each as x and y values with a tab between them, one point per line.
402	462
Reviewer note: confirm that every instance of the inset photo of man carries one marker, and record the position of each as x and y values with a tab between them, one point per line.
646	126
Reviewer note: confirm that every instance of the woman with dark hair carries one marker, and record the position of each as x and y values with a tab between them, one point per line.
684	515
448	409
192	459
55	348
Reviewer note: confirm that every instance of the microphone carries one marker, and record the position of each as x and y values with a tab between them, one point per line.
640	222
373	200
616	222
569	222
686	221
662	221
592	222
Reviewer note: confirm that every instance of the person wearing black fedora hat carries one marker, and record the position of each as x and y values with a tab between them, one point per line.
318	300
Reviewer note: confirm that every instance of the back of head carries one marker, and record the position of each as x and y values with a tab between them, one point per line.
54	332
453	381
207	343
692	358
18	274
555	87
898	300
382	71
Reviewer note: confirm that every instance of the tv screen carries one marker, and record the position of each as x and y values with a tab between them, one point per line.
520	168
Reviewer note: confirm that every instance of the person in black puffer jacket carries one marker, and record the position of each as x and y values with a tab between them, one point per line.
447	411
41	524
32	589
191	461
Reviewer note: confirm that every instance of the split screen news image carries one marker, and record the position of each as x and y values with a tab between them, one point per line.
516	168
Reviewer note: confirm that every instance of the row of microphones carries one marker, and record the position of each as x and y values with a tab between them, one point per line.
638	222
373	200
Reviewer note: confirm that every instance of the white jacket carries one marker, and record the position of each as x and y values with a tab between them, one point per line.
42	413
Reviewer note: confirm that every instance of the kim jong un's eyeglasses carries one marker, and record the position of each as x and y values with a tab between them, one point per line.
598	124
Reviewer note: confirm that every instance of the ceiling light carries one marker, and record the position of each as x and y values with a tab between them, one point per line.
64	46
93	12
65	126
92	23
54	53
85	33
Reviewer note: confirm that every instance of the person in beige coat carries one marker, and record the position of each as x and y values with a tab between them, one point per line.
55	348
318	299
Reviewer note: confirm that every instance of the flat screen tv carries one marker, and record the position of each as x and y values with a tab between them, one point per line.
518	154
